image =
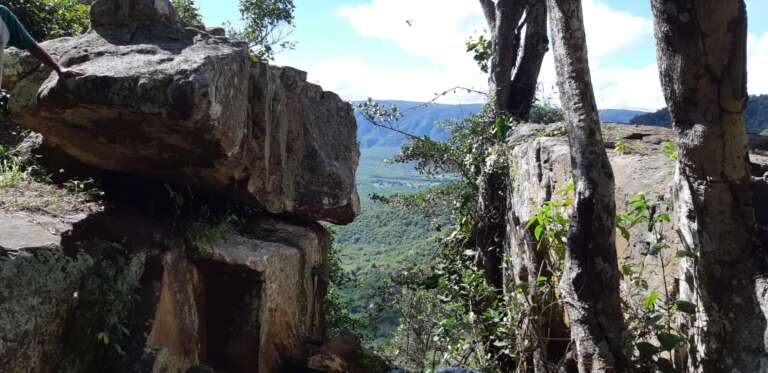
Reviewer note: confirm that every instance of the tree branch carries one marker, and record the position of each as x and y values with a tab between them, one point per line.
489	9
444	93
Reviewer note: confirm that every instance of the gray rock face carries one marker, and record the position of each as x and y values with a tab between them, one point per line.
540	166
190	108
123	292
105	13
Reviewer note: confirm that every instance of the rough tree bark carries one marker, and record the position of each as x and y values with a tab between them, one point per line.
513	76
702	49
590	284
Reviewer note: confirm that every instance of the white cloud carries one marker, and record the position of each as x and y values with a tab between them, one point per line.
610	31
757	61
436	31
353	79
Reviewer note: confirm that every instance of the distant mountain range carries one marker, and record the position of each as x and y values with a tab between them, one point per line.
420	120
757	116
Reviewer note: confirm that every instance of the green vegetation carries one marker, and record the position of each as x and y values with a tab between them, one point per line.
24	186
670	149
652	315
267	26
622	147
108	293
188	13
49	19
384	241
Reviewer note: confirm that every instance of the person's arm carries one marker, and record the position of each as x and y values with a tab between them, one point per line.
20	38
38	52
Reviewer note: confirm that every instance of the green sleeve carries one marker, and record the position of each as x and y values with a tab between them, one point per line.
20	37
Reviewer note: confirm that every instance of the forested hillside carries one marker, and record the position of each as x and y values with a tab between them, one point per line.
422	119
418	119
757	116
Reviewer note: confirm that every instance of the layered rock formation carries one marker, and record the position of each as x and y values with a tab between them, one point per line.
127	287
540	167
191	108
122	292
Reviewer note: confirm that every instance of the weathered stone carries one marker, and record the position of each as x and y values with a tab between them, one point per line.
190	108
38	291
237	301
541	167
329	363
105	13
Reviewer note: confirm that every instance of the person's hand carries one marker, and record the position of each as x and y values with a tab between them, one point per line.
65	73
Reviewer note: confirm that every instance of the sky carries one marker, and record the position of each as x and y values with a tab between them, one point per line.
414	49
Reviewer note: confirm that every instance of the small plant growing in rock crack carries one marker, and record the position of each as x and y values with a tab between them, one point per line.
622	147
12	173
555	130
652	315
669	148
202	234
550	224
83	186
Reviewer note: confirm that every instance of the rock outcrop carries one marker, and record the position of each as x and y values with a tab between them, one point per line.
142	277
190	108
540	167
123	292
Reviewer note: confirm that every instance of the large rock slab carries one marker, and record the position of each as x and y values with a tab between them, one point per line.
540	167
190	108
125	292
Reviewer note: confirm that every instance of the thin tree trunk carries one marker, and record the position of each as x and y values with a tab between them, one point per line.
515	63
505	37
492	227
526	77
702	49
590	284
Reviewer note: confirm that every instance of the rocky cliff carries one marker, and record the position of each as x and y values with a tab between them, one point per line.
203	246
540	167
191	108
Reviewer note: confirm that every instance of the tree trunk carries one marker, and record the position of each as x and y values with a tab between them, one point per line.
590	284
702	49
492	227
526	76
513	77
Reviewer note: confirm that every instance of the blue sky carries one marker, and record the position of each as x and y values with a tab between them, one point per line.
365	48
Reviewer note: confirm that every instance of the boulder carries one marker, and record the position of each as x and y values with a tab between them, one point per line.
540	167
126	292
189	108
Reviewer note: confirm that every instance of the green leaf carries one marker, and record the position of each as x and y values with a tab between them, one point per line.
647	350
538	232
650	300
501	127
627	270
685	307
669	341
